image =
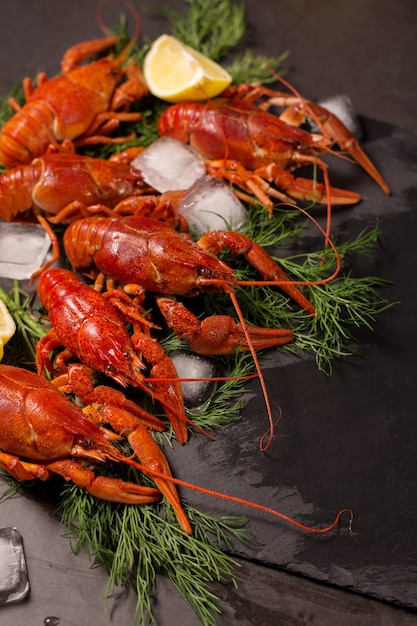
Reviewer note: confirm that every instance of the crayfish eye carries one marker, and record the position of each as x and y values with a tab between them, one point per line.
207	273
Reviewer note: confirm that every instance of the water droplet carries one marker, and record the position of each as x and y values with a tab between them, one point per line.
51	621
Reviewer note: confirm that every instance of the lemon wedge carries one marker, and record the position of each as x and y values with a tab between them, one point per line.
7	327
175	72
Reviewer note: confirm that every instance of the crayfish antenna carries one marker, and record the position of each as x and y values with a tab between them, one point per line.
242	501
133	12
270	433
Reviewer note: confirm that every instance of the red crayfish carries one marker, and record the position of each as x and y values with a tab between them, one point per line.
93	328
84	105
256	149
43	433
65	186
145	252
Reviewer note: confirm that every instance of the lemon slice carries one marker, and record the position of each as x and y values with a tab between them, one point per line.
7	327
175	72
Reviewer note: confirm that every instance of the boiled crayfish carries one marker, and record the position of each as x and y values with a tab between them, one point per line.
256	149
147	252
64	186
93	329
43	433
84	105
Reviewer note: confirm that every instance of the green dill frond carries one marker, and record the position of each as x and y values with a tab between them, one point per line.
225	406
213	28
11	484
248	67
217	30
342	305
136	543
20	350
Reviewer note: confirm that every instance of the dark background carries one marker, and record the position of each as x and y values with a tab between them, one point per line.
344	440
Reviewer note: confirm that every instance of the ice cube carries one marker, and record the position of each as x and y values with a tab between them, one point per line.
23	248
14	581
210	204
190	365
169	165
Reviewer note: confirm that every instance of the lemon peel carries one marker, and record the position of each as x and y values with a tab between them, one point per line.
174	72
7	327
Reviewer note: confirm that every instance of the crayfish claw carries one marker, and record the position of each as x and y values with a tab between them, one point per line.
104	487
152	457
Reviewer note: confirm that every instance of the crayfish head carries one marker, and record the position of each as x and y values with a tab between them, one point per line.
180	120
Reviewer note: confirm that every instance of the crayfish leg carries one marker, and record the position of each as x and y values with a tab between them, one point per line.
107	404
82	51
337	132
56	251
258	257
304	189
22	470
44	347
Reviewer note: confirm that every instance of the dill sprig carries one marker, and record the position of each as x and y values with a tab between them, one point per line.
217	30
20	350
248	67
344	305
137	543
213	28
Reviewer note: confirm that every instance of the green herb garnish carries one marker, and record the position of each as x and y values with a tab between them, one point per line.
215	28
145	541
20	350
218	29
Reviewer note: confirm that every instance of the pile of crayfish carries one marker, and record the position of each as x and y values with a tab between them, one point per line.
129	242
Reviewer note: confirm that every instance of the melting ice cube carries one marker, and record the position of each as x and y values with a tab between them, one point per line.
14	581
23	248
210	204
190	365
169	165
